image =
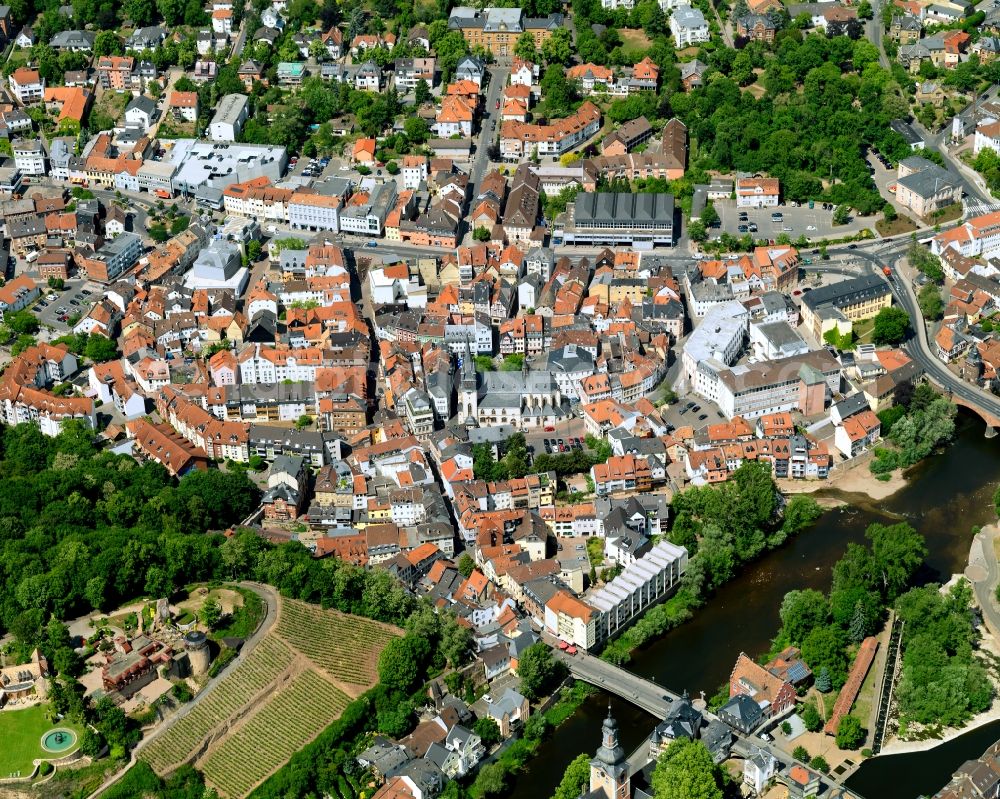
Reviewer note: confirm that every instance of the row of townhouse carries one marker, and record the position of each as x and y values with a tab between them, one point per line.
302	209
24	394
521	140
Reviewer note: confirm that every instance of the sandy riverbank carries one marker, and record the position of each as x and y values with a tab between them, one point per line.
897	747
853	478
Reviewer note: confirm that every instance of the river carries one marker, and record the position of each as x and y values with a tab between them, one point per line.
946	496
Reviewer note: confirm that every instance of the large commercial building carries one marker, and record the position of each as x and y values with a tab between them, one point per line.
801	382
205	169
613	219
498	29
849	300
715	344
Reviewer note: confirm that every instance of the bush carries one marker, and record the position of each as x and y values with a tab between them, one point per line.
819	764
801	754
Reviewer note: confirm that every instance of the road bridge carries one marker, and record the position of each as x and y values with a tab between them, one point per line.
656	700
643	693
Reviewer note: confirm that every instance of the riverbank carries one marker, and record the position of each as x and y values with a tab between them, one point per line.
898	747
848	478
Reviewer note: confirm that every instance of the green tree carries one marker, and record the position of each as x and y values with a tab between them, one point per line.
930	302
303	421
801	612
696	231
539	671
488	731
897	552
108	43
558	48
800	753
891	326
100	348
481	234
842	215
22	322
211	612
575	779
525	47
850	733
401	664
819	763
823	683
686	771
824	648
466	565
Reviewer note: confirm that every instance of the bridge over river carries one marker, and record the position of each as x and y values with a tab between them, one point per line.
657	700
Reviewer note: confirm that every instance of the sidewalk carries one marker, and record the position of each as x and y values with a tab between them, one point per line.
982	573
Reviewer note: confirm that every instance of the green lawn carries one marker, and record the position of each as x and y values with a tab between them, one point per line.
21	732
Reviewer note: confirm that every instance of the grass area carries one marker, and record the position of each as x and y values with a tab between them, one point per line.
172	129
634	39
21	732
244	619
948	214
862	707
595	549
901	224
863	330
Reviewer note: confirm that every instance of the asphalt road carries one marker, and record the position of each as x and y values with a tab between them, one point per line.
481	162
918	345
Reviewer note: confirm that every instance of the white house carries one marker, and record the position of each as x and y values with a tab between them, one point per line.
757	192
140	113
26	85
230	114
29	156
688	26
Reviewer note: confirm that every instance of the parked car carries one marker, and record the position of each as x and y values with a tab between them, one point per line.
743	229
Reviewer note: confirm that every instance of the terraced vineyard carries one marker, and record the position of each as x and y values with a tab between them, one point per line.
288	721
249	678
347	647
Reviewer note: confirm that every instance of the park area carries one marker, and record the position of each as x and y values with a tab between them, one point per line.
294	683
22	731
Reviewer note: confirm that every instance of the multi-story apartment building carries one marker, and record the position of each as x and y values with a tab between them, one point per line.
26	85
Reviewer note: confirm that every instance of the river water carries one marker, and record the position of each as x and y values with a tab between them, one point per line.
946	496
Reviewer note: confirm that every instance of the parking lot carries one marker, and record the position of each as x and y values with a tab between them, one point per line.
813	223
76	298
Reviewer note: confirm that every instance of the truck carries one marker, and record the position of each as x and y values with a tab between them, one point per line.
887	272
163	194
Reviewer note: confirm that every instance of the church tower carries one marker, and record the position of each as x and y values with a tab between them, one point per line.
468	392
609	769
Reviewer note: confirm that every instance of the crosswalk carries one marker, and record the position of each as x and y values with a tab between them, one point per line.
975	207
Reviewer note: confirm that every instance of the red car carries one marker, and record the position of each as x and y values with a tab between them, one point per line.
550	429
563	645
571	650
